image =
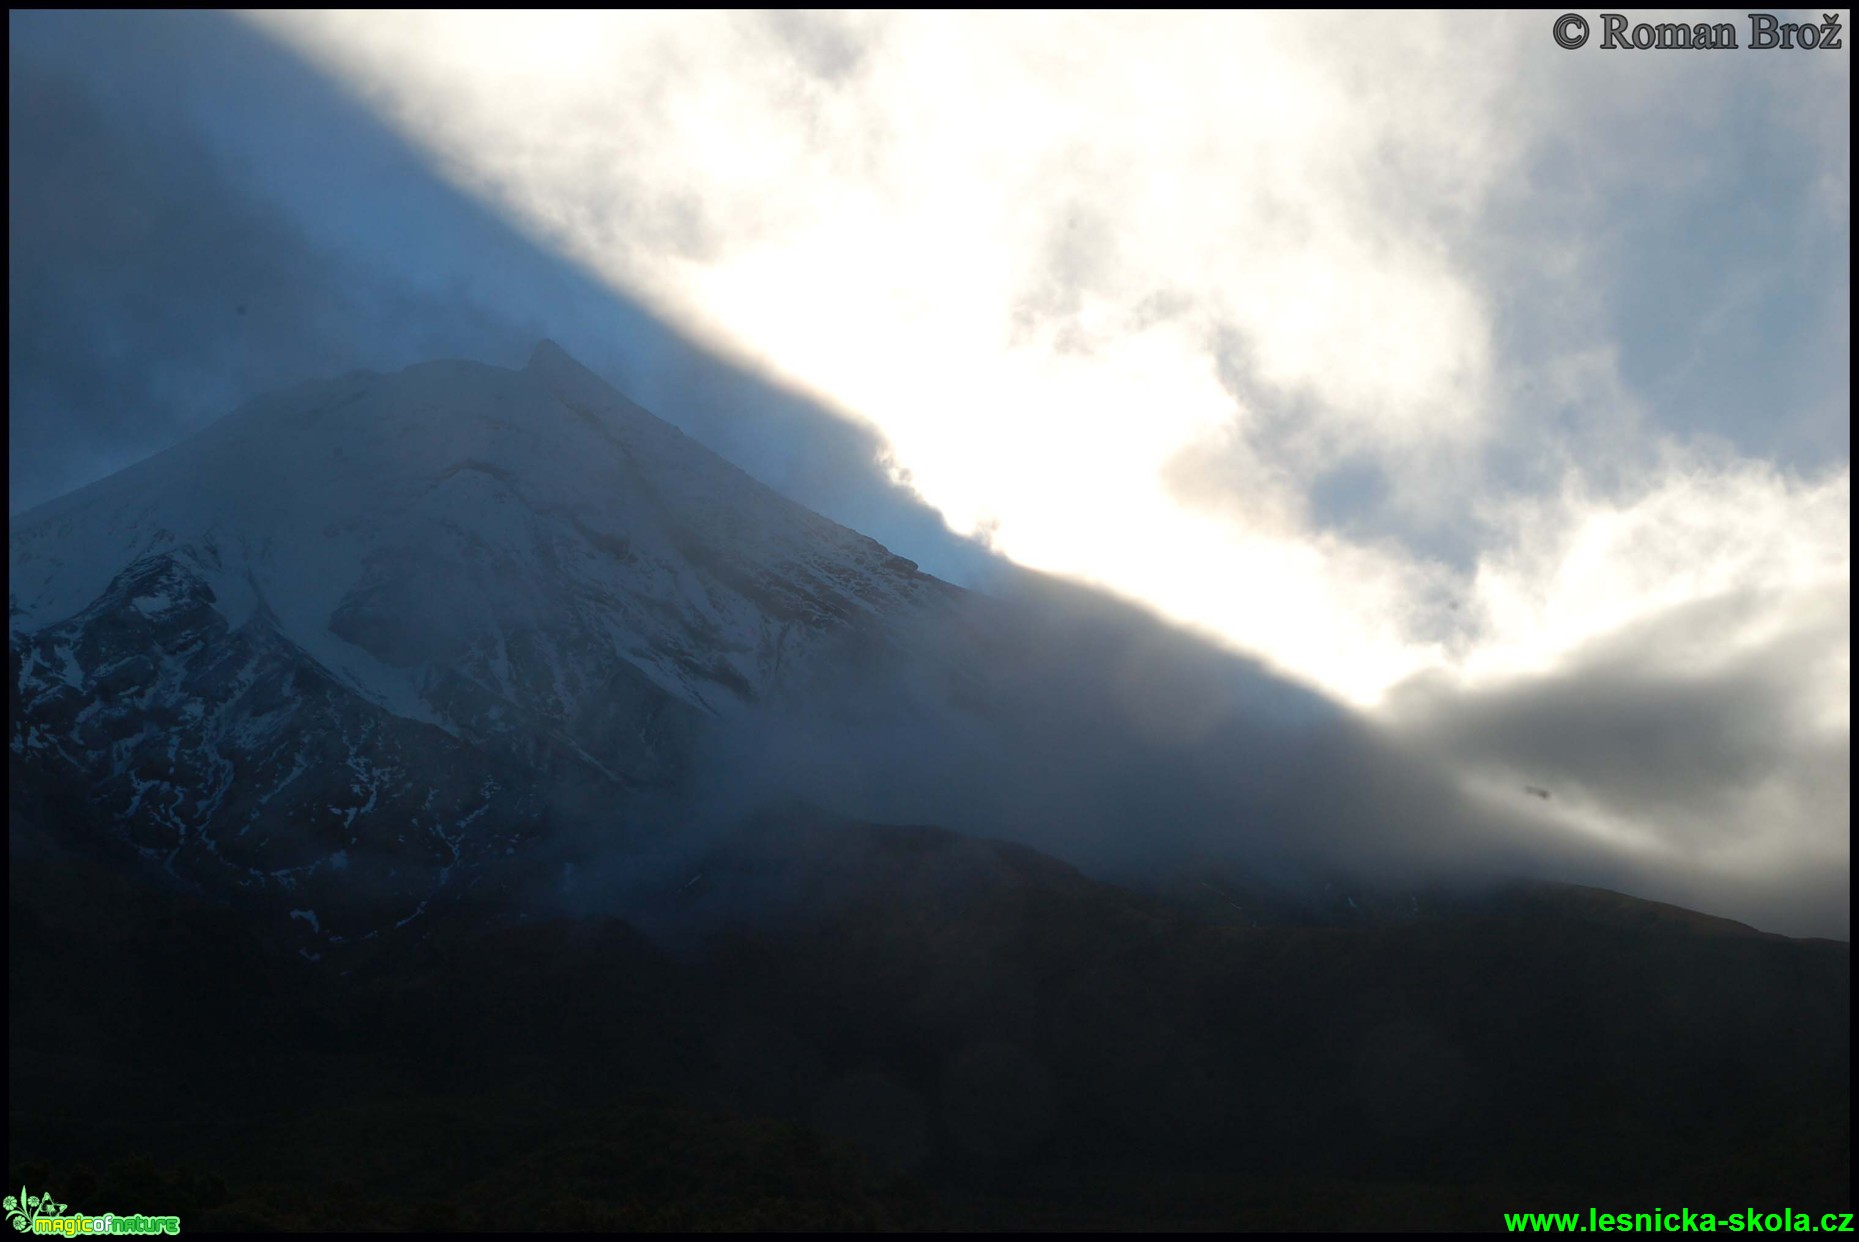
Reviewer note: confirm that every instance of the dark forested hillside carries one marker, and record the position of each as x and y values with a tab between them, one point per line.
911	1028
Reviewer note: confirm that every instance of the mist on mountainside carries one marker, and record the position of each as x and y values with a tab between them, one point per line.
1053	715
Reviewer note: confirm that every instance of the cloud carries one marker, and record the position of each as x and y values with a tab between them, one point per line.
1685	750
1591	561
1418	358
198	218
149	292
1301	294
1055	716
1015	277
1677	673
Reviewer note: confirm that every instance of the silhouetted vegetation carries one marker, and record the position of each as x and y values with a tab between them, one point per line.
922	1031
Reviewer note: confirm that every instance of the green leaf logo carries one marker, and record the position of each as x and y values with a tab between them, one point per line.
22	1210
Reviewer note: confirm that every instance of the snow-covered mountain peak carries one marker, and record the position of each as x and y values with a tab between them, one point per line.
375	577
513	497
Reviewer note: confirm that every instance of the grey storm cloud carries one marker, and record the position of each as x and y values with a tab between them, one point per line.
1052	715
1692	739
150	289
196	218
